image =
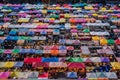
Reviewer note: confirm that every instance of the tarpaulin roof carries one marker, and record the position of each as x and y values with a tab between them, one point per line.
76	59
111	75
4	75
18	64
76	65
33	75
50	59
85	50
43	76
23	75
40	64
71	75
101	75
9	64
31	60
57	64
91	75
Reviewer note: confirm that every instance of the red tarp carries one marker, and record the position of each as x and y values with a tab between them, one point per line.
117	41
76	65
31	60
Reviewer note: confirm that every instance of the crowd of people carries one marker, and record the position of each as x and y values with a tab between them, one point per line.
65	41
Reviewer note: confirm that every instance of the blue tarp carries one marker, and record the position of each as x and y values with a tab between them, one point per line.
56	30
31	33
12	32
79	26
62	47
23	30
1	15
12	14
1	41
27	51
62	41
51	59
38	51
12	37
72	75
62	27
18	64
43	32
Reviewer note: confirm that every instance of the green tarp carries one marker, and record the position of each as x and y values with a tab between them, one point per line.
76	59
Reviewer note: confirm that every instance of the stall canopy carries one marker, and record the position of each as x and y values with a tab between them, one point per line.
111	75
87	60
14	74
2	64
9	64
85	50
110	42
33	75
105	59
31	60
76	65
101	75
91	75
15	51
76	59
4	75
95	59
57	64
118	59
43	76
50	59
18	64
117	41
40	64
23	75
71	75
115	65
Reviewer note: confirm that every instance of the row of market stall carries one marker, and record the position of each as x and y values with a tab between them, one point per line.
36	75
62	50
52	64
102	40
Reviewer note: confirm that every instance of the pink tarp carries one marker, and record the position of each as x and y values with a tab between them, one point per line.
70	48
118	59
47	47
40	64
7	51
4	75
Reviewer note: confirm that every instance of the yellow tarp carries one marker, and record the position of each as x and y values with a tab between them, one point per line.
44	11
103	42
51	18
95	14
89	8
14	74
62	20
115	65
23	20
103	8
95	38
57	8
67	15
9	64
